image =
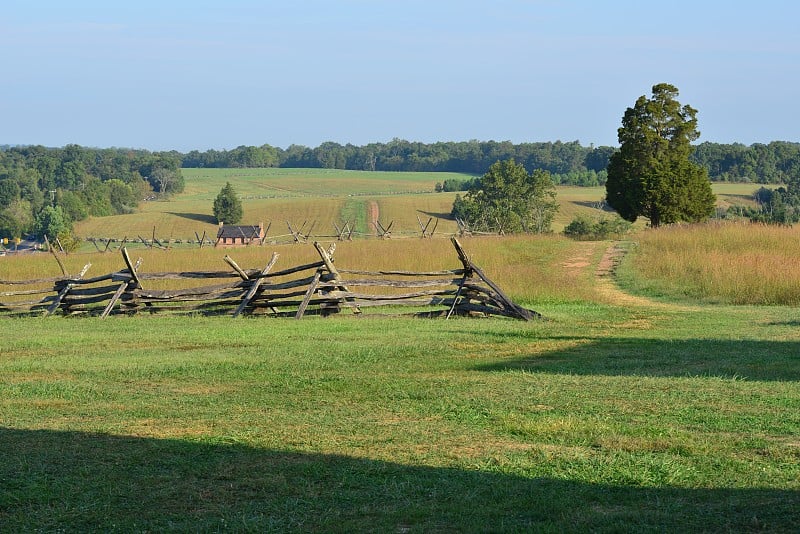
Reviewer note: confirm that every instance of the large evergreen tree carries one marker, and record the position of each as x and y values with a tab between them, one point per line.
651	175
227	206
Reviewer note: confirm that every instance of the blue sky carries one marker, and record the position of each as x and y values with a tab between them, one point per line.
164	75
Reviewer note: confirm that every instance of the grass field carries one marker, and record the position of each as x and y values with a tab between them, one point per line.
718	263
325	197
604	418
666	407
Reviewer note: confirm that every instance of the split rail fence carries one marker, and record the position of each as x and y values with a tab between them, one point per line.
318	288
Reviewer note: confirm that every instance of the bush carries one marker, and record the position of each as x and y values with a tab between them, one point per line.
582	227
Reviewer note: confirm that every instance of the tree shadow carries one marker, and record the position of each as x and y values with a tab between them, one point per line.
594	204
438	215
748	360
199	217
784	323
75	481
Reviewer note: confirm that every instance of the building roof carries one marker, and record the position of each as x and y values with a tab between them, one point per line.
232	230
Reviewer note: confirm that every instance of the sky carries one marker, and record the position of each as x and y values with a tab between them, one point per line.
199	75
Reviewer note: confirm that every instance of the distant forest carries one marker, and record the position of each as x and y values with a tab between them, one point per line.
569	163
44	190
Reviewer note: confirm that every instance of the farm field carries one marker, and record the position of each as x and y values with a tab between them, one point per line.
617	413
278	196
323	198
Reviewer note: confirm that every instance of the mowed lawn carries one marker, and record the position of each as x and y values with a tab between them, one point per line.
602	418
617	413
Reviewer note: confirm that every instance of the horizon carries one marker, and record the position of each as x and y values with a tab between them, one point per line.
5	146
183	76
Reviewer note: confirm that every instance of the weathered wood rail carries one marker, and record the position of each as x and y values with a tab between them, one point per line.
317	288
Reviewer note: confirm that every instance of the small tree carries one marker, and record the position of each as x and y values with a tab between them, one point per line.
227	206
52	222
509	197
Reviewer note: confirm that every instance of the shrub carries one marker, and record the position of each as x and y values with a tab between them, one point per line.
582	227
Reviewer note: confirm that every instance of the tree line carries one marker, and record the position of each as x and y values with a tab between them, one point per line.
569	163
44	190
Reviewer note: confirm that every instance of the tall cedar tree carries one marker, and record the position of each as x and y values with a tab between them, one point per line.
651	174
227	206
509	198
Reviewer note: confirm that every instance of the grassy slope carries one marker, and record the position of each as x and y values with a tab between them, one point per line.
603	418
624	416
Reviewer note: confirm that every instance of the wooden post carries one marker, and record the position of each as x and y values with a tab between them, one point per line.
55	255
470	268
266	230
256	284
239	271
328	261
63	293
458	294
312	288
134	281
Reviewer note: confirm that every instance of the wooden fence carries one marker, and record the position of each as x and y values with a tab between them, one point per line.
302	233
315	288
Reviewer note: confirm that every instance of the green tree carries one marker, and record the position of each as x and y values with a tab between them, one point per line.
651	175
121	196
509	198
52	222
227	206
16	220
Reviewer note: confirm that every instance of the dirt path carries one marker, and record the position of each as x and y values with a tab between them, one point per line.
607	286
605	272
373	212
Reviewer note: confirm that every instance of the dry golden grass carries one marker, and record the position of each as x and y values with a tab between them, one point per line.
528	268
737	263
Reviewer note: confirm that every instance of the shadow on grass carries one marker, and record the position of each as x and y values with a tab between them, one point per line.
437	215
594	204
748	360
199	217
73	481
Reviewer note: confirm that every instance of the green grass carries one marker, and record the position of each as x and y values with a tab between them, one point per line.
612	416
603	418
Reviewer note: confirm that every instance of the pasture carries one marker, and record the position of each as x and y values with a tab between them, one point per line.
326	197
323	196
636	406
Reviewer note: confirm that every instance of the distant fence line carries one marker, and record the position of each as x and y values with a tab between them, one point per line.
343	231
317	288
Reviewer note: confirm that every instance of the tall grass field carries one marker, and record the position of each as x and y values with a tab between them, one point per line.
718	263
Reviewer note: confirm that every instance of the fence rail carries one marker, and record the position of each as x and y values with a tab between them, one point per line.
317	288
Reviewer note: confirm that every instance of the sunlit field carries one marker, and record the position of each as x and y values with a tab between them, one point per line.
323	198
737	263
512	262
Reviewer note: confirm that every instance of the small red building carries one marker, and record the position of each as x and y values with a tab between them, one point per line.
231	235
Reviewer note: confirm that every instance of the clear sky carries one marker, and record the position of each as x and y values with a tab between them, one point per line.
183	75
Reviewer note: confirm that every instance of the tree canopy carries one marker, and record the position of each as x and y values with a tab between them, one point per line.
651	175
227	206
81	181
510	199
